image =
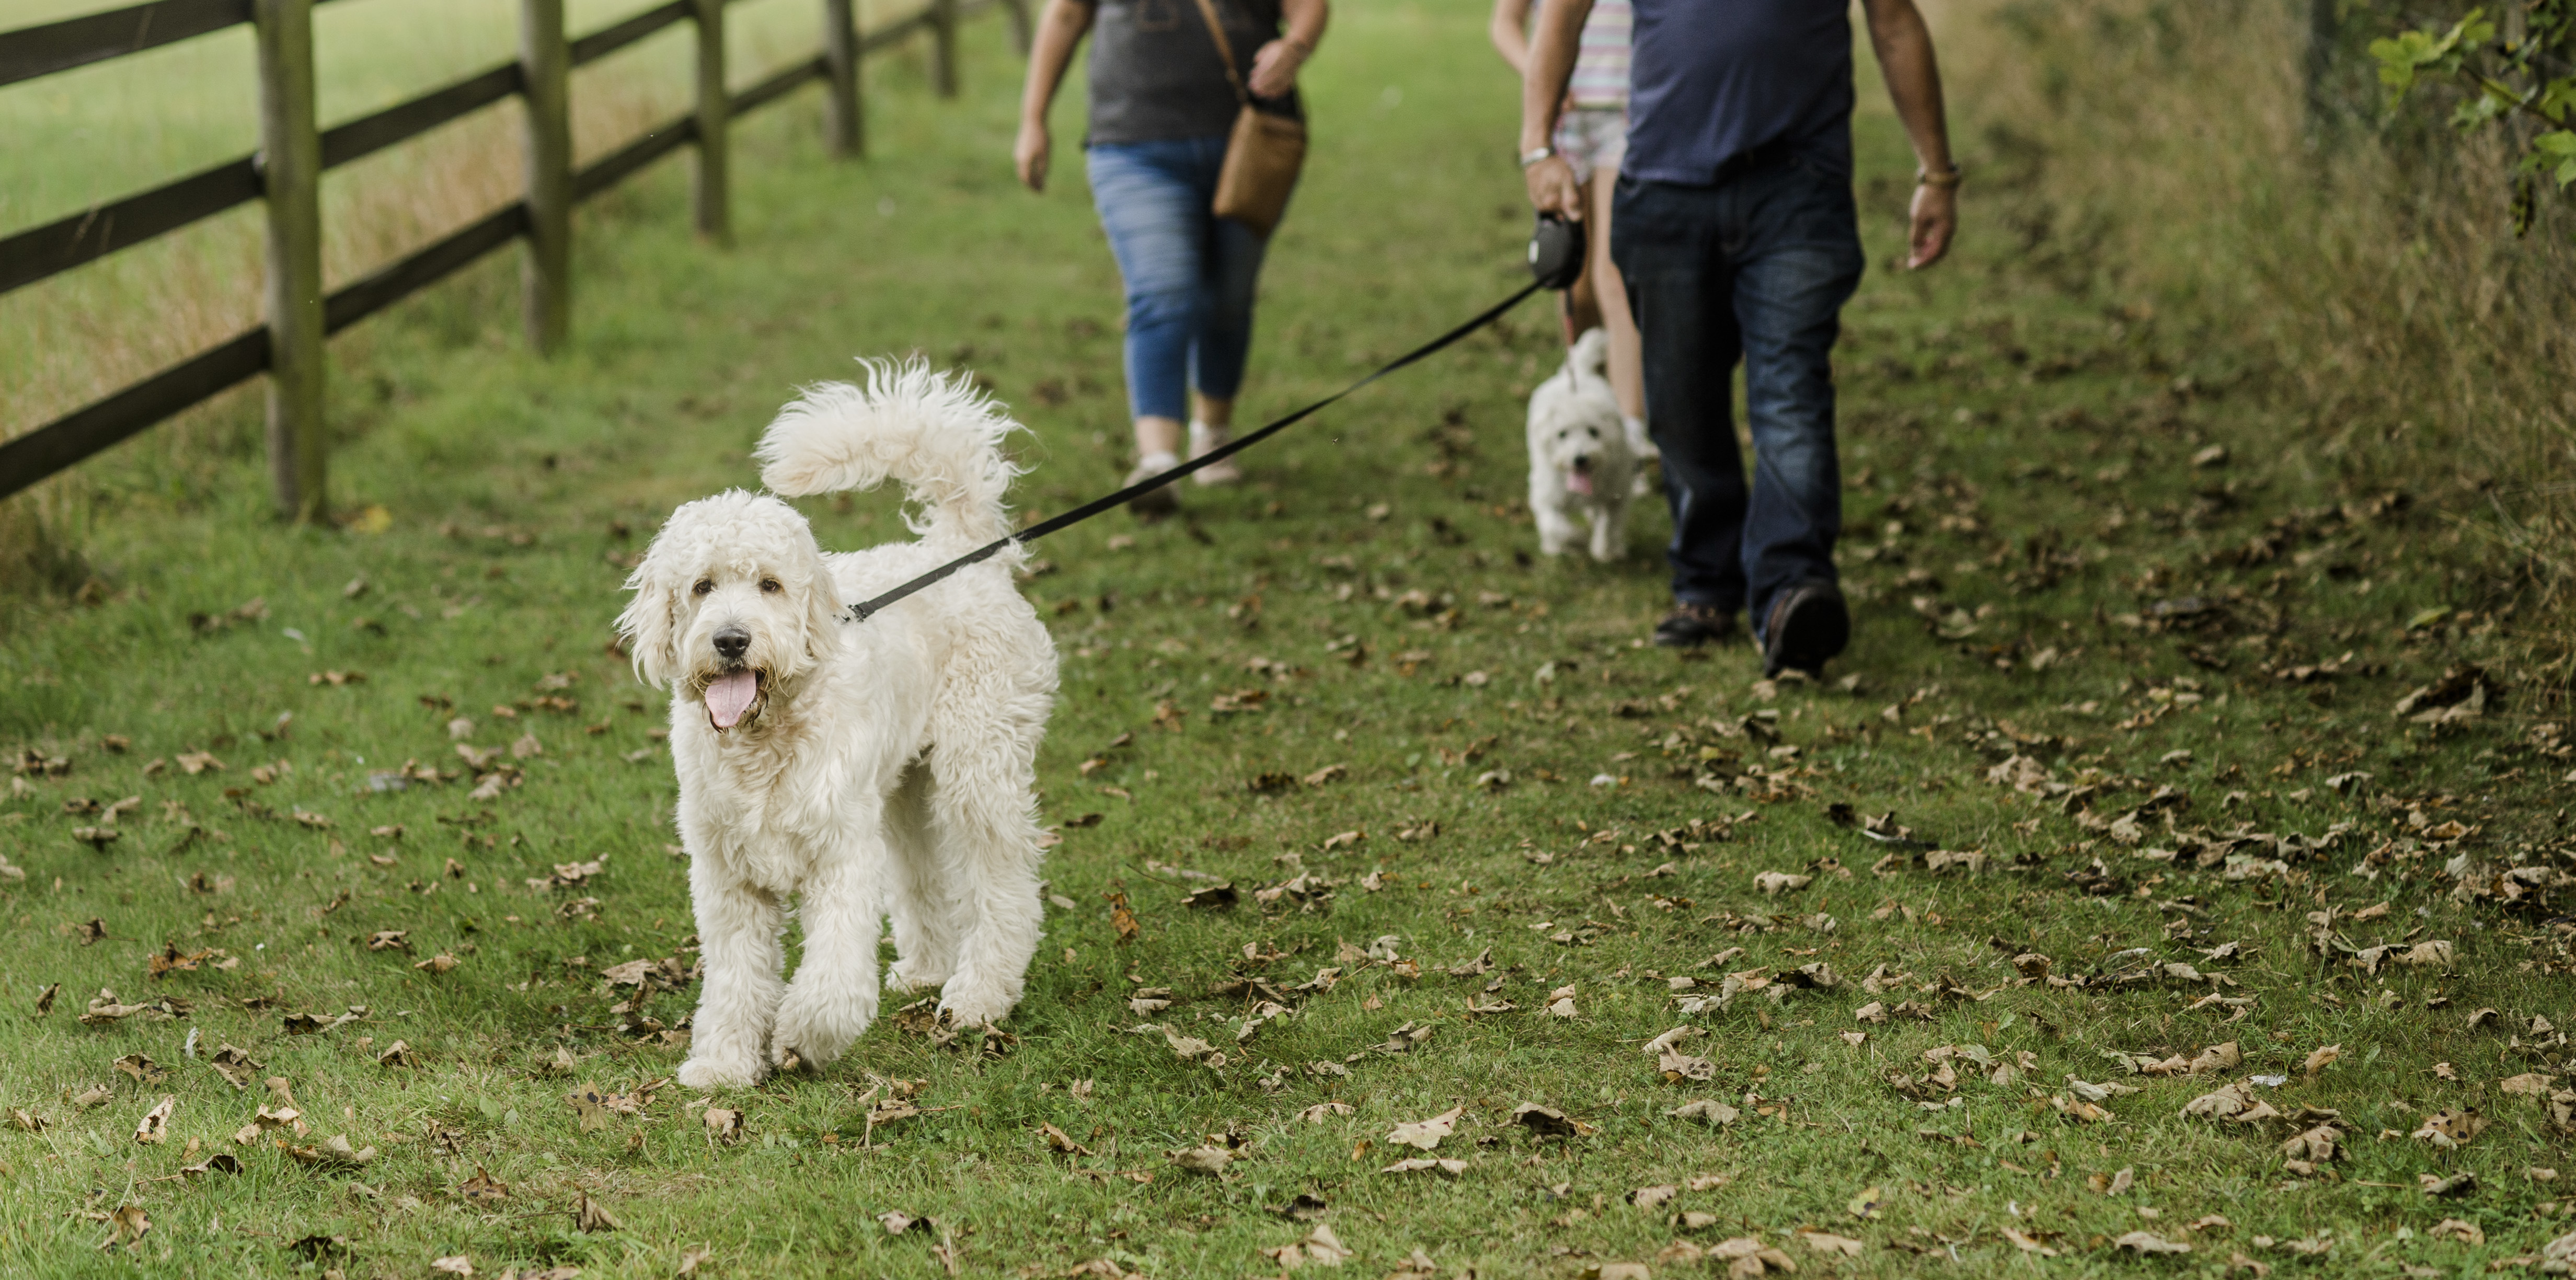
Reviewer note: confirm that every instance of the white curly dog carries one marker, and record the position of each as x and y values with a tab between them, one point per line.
862	768
1579	457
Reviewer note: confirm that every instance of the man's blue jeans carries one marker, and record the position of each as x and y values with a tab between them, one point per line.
1756	267
1190	275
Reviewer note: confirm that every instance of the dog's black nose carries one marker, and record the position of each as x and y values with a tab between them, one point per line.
1582	462
732	642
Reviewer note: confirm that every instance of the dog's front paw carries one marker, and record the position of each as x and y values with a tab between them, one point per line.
969	1003
704	1071
810	1035
910	975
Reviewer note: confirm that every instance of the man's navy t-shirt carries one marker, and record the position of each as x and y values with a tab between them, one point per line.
1712	79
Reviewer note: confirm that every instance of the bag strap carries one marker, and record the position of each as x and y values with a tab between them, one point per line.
1225	51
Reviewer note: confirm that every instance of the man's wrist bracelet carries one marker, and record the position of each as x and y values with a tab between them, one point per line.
1536	154
1944	180
1304	50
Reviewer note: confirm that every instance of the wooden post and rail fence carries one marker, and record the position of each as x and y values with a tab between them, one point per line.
286	175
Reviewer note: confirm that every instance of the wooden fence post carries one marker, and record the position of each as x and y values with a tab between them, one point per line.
545	68
707	190
943	61
1019	12
841	59
291	178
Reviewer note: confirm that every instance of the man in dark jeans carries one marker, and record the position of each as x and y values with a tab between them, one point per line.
1735	230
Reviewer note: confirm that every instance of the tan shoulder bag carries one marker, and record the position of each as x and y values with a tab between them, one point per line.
1263	154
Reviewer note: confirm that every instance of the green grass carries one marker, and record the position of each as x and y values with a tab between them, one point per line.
2021	460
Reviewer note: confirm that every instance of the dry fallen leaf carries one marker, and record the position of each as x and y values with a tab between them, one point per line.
722	1124
1747	1256
1059	1141
482	1188
1707	1111
334	1153
1449	1168
1547	1122
1829	1244
591	1215
1208	1161
2144	1243
2318	1145
1323	1111
2028	1243
234	1066
1426	1134
2448	1129
1320	1247
155	1126
1188	1048
129	1224
2458	1229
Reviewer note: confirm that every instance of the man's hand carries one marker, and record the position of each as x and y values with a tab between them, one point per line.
1552	188
1935	217
1030	153
1274	69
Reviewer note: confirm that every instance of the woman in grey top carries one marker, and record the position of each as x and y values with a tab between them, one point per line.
1161	110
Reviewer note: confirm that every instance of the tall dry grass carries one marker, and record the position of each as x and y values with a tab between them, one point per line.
2168	150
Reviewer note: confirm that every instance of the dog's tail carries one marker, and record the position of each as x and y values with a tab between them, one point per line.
1590	356
933	431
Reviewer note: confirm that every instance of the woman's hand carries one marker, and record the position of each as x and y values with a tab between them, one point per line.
1552	188
1030	154
1274	68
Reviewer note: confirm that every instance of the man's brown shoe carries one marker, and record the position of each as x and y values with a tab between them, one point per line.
1689	625
1809	623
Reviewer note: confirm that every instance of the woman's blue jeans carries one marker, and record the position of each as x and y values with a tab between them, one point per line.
1190	274
1754	269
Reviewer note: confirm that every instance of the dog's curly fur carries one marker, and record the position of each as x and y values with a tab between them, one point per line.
1580	462
882	767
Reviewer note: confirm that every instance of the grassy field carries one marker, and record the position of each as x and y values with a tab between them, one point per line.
2130	641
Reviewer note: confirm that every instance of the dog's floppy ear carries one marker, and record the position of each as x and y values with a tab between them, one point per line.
823	612
651	620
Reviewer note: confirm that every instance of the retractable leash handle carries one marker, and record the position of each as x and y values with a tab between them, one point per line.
1551	252
1556	251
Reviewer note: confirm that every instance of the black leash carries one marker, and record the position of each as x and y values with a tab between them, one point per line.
863	611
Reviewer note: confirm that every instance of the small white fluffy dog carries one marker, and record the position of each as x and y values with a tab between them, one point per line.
864	768
1580	462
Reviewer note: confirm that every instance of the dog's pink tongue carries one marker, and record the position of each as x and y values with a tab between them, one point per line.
729	696
1579	482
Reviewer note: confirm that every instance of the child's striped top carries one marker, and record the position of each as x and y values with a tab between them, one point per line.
1601	58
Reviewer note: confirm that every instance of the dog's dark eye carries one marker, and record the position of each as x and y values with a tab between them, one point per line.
704	586
769	586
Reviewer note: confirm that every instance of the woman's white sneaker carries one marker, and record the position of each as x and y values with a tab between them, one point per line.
1154	502
1205	439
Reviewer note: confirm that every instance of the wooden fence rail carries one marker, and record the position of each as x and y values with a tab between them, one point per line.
286	175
